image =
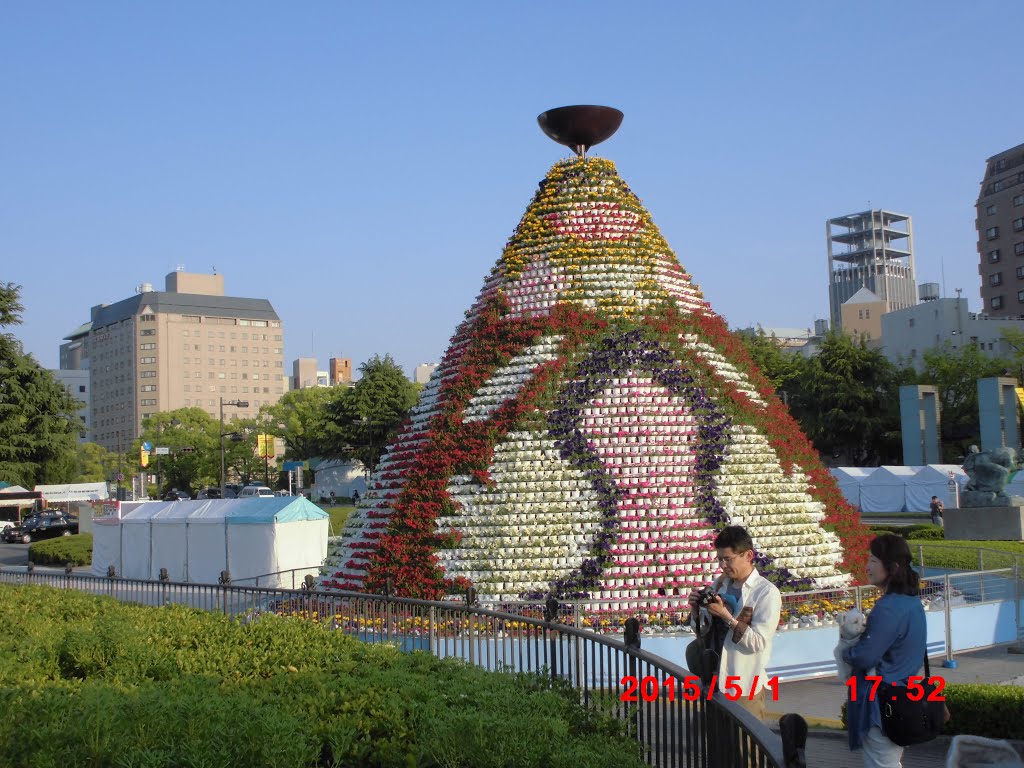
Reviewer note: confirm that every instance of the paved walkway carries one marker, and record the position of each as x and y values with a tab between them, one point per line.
820	702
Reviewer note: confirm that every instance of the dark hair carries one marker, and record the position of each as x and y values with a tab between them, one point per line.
736	537
894	553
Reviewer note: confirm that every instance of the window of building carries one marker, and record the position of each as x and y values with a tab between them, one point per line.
221	375
992	233
147	318
993	256
1018	224
149	345
81	388
996	302
1020	273
1018	249
149	387
149	402
1018	201
147	375
996	278
147	360
911	322
990	210
148	332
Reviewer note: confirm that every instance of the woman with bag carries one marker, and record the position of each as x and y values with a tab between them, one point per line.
893	644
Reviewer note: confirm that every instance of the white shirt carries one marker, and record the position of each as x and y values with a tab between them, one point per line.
748	646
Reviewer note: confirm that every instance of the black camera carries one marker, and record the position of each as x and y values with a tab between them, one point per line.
706	595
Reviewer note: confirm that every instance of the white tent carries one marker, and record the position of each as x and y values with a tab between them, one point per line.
932	480
849	480
196	540
885	489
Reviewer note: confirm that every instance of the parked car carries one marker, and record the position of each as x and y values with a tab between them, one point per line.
255	490
209	493
45	525
175	495
14	534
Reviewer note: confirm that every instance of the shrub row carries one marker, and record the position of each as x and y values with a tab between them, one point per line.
109	684
994	711
916	531
76	550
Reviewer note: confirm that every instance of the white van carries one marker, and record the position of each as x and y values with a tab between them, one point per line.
255	490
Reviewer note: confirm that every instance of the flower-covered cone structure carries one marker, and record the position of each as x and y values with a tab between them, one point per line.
591	426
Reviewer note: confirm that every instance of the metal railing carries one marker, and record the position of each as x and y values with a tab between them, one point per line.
673	727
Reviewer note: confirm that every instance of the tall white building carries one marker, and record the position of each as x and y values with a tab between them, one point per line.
186	346
873	250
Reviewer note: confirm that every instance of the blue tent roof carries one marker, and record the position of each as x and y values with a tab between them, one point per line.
278	509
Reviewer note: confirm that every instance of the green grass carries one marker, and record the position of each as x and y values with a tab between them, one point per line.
963	555
339	514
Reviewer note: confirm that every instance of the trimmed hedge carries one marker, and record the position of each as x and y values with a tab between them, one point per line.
994	711
109	684
76	550
916	531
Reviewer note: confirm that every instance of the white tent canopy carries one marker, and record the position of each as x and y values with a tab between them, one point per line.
896	488
849	479
11	497
932	480
886	489
196	540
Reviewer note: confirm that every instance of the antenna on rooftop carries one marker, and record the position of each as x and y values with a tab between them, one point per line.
180	268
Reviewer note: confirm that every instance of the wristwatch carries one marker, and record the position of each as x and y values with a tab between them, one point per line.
732	622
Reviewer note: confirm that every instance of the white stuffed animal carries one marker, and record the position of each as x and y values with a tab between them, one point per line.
851	626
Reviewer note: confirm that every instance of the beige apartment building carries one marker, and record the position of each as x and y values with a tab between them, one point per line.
186	346
1000	224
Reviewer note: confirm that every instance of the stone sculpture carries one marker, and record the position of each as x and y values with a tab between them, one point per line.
989	472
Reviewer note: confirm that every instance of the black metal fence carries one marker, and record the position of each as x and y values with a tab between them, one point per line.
669	713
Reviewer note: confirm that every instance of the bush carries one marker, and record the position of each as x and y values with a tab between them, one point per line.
175	686
917	531
76	550
993	711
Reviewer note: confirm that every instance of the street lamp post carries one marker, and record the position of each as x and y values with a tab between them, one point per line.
237	404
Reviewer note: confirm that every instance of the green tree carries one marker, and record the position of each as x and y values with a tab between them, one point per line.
193	439
95	463
783	369
956	374
365	418
299	418
39	423
848	402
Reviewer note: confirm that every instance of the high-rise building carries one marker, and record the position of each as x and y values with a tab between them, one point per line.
76	381
423	371
186	346
305	374
873	250
339	370
1000	223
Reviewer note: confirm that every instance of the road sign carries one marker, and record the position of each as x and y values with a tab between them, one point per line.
147	446
120	477
162	450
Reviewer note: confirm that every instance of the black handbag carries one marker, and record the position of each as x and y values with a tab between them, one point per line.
905	721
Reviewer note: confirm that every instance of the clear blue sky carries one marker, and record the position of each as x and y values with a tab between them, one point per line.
361	165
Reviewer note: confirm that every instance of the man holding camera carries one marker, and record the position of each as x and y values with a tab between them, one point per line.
746	642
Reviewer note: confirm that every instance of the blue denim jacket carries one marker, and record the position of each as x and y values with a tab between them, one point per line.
893	644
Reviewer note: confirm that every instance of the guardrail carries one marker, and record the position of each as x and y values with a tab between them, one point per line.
673	728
